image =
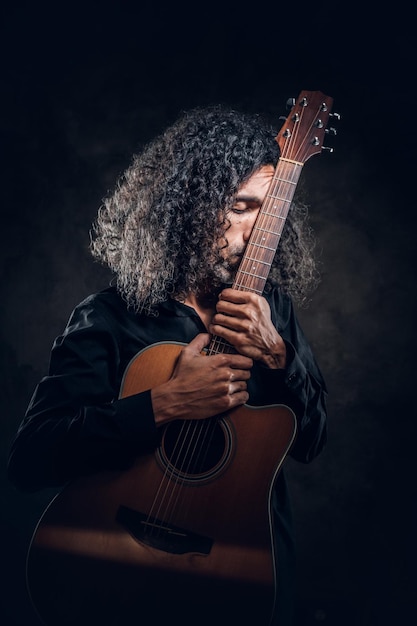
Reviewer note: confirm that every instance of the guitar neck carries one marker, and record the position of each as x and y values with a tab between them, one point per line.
263	243
300	138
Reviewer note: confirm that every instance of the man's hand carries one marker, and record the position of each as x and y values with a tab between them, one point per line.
243	319
202	386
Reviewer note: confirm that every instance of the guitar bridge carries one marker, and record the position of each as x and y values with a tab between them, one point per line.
160	535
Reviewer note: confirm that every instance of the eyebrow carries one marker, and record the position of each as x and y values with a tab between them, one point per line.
248	199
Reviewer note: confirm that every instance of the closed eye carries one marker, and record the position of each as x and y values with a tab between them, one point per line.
245	204
238	211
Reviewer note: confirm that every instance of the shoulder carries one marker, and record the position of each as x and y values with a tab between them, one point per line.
108	298
102	308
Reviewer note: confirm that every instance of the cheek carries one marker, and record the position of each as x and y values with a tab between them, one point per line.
237	225
233	236
232	229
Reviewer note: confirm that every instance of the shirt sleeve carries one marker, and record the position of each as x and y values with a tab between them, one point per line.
75	422
300	386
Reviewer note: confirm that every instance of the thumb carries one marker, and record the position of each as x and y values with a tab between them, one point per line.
199	342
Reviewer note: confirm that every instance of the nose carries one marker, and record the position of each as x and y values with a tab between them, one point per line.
249	226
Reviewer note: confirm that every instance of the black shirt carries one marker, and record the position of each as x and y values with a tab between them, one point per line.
76	422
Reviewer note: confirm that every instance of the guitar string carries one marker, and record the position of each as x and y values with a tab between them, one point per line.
202	428
273	213
268	228
282	214
277	190
172	485
169	489
304	144
283	192
205	430
199	435
282	189
155	509
193	436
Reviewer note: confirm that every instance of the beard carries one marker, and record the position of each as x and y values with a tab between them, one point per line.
219	276
226	267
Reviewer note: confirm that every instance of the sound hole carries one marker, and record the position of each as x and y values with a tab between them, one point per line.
196	450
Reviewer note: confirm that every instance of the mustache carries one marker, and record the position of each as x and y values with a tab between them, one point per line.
235	258
228	265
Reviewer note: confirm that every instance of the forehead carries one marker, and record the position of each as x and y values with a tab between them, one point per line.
257	185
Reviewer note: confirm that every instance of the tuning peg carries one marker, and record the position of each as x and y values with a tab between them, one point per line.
327	148
290	103
337	116
331	131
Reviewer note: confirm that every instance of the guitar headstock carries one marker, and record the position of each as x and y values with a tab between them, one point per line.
303	131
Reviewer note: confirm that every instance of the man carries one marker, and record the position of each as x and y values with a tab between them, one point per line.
173	232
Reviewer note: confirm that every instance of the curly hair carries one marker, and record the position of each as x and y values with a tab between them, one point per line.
159	230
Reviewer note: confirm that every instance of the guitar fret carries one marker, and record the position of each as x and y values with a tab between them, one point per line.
251	274
218	345
265	230
280	217
244	287
261	245
249	258
284	180
271	195
291	161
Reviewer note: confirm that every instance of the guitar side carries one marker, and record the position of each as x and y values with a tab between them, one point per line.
95	556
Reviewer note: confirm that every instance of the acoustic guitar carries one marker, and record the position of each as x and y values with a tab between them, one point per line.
185	536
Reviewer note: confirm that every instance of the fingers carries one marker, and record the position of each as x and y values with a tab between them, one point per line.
237	387
238	363
234	393
235	296
236	399
244	305
238	324
234	361
228	308
238	374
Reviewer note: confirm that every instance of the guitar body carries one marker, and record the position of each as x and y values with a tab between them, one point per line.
179	536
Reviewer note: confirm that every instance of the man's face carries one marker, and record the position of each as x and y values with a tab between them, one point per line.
242	216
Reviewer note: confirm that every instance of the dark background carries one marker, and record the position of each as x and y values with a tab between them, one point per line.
84	86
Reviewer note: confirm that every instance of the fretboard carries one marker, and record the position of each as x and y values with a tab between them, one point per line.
260	252
266	234
300	137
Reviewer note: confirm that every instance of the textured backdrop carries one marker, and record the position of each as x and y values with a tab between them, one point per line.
83	89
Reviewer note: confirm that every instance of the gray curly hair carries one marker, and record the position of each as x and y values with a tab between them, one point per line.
159	230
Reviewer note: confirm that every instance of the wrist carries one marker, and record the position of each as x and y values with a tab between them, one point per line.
277	357
163	405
